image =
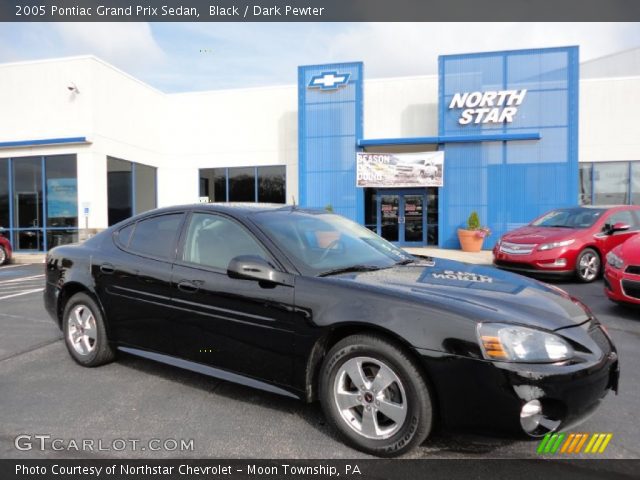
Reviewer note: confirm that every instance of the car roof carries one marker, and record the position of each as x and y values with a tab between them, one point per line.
233	208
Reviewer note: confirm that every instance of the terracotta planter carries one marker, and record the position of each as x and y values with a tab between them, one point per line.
470	241
325	239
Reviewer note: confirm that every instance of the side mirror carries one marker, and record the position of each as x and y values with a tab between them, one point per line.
253	267
619	227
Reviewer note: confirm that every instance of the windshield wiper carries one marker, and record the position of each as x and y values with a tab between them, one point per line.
406	262
352	268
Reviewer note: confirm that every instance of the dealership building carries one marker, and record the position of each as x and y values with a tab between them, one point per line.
84	145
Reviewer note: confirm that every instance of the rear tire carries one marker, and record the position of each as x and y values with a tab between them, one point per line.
3	255
588	265
84	332
375	395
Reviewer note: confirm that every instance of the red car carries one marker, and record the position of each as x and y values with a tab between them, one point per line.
622	272
567	241
5	250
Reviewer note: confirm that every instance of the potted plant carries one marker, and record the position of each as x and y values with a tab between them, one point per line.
472	237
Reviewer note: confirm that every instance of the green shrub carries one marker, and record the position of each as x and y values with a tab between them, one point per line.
473	222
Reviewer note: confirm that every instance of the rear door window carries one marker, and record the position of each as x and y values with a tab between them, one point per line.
156	236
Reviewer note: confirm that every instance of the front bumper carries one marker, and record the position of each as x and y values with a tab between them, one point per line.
613	285
556	262
475	393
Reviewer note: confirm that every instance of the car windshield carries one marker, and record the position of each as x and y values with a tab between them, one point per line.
570	218
321	243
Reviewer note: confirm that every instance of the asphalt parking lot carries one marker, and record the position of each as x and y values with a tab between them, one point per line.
43	392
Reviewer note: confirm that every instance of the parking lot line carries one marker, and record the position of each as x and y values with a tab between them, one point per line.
21	279
22	293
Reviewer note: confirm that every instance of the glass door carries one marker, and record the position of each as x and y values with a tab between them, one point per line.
413	219
402	217
389	217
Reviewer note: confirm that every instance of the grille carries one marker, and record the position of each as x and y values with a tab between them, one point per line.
631	288
516	248
518	265
600	339
633	269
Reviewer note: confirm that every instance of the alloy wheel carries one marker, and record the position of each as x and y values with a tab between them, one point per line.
589	266
82	332
370	397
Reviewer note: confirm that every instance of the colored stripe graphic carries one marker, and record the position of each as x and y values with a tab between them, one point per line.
574	442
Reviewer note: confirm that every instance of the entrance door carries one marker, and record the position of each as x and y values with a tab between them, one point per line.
402	217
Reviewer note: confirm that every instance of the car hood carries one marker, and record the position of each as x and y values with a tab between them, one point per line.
537	235
480	293
630	250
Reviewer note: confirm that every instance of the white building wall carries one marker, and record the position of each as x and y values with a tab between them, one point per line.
181	133
609	127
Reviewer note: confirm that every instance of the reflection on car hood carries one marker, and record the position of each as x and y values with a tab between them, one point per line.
484	293
537	235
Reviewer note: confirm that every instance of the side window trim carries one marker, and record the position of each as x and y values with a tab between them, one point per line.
179	258
174	253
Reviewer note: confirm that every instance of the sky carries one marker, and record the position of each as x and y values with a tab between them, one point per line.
179	57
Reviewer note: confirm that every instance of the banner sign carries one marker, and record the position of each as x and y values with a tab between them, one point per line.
400	170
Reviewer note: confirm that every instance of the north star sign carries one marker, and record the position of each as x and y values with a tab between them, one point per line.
329	80
494	106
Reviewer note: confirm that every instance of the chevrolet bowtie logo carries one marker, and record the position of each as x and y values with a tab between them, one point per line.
329	80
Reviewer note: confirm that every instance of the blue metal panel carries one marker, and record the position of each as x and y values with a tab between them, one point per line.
509	183
488	137
46	141
329	128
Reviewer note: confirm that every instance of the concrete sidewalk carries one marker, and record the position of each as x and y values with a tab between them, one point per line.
484	257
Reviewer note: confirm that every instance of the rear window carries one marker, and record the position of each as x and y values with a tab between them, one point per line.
156	236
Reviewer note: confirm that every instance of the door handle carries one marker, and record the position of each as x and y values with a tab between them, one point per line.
107	268
189	286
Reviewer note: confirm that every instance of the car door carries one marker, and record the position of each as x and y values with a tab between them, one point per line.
133	280
610	240
238	325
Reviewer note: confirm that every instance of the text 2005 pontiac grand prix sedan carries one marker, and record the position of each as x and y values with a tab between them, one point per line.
311	305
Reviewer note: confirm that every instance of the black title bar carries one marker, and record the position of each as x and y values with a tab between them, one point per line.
317	10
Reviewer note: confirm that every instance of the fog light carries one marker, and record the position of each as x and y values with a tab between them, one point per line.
560	262
533	420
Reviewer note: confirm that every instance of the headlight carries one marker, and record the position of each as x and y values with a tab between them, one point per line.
512	343
614	260
549	246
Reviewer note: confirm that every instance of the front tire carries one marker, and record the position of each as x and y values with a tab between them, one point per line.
374	394
84	332
588	265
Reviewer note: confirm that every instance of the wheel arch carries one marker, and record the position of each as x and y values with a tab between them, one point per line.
68	291
343	330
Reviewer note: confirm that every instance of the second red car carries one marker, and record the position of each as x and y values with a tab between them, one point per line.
622	273
567	241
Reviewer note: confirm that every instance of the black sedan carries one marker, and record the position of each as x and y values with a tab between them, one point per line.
311	305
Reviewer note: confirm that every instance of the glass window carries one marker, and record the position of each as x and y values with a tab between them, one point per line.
242	184
56	238
213	184
272	184
370	209
569	218
213	241
4	193
156	236
62	192
119	190
124	234
625	217
145	188
585	184
320	242
27	204
611	183
635	183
